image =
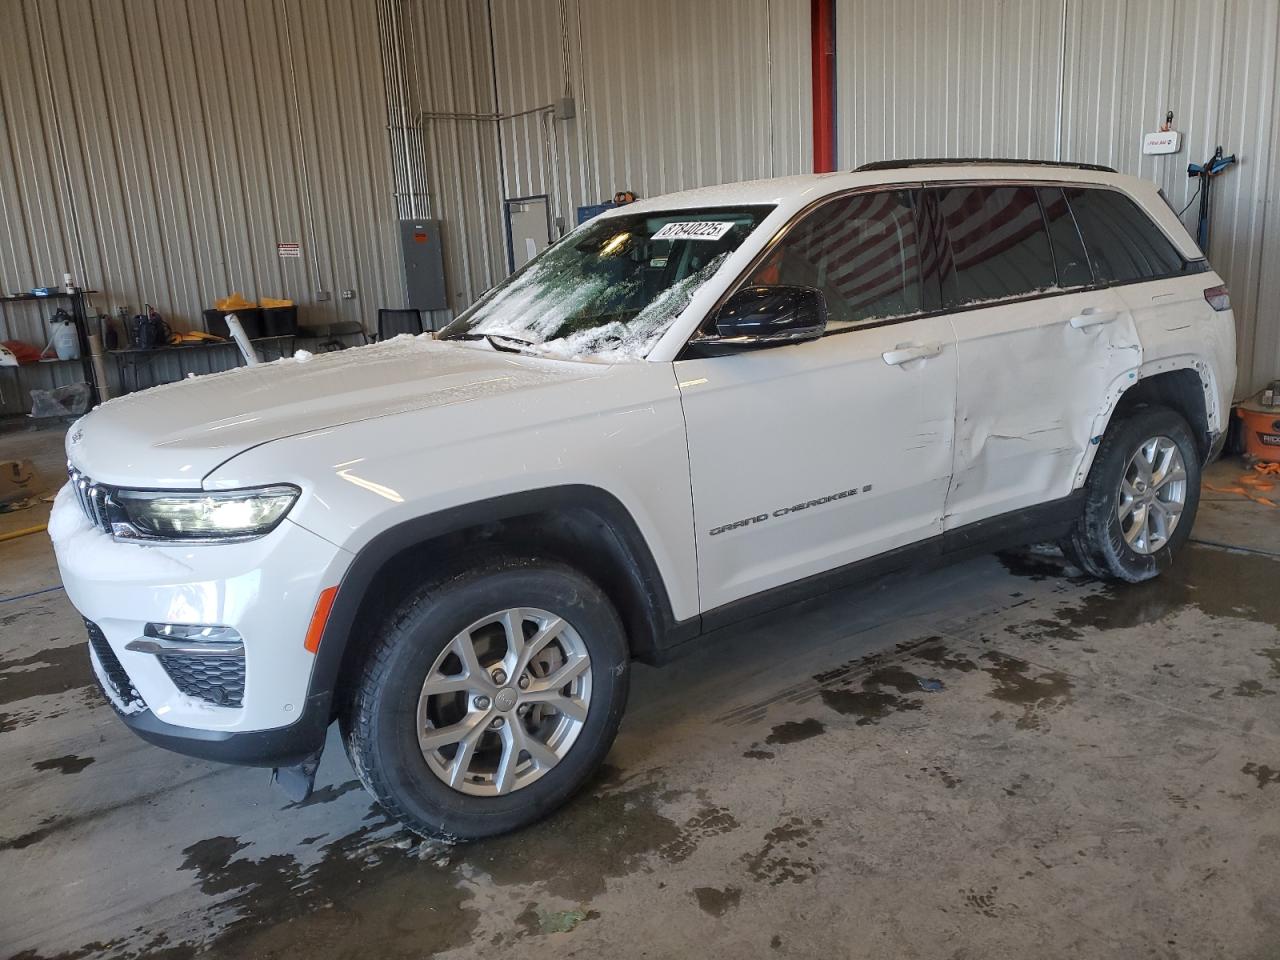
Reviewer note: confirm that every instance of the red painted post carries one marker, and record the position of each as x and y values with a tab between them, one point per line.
823	22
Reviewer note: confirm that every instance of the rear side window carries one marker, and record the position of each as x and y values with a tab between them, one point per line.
1123	244
994	245
1068	248
863	252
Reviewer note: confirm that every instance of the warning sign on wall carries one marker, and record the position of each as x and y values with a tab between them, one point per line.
288	249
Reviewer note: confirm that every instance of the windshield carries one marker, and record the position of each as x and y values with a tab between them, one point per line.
611	288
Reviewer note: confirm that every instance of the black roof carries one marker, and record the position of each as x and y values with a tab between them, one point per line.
994	161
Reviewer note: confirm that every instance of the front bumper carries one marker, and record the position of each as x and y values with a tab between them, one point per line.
283	747
265	589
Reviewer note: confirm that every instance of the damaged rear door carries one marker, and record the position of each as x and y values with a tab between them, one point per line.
1040	346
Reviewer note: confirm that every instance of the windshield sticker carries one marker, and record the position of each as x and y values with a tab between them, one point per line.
694	230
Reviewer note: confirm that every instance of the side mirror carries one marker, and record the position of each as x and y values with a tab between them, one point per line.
764	316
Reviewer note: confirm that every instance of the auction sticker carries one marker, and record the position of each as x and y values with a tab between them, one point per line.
694	230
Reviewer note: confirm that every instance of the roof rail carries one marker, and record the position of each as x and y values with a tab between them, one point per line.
993	161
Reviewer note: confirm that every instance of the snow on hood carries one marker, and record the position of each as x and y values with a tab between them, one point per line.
175	434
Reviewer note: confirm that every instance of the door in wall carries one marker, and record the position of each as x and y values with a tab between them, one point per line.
528	229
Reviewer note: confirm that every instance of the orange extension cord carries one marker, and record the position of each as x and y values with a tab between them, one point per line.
1252	483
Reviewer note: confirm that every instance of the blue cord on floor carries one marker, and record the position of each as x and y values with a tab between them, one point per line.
33	593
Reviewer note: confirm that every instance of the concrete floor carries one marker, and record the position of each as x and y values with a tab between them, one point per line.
999	759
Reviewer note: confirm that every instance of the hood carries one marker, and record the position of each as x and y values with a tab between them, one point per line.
174	435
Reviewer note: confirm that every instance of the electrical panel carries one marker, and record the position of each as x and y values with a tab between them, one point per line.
423	264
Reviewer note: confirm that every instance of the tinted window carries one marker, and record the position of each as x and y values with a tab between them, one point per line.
862	252
1122	241
994	245
1068	249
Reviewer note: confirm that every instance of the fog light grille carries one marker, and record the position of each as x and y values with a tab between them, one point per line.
216	680
116	675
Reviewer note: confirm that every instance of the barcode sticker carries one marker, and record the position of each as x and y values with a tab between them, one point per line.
694	230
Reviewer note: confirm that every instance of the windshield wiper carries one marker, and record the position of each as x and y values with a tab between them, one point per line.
512	344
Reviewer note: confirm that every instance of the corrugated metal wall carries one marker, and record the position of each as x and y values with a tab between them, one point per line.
158	150
1087	78
922	78
668	95
449	65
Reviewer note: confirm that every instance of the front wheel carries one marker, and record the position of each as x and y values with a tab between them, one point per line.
1140	498
489	699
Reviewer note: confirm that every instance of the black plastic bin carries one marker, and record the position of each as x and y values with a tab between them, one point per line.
280	321
250	319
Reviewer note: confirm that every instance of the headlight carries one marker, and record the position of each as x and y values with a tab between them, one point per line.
224	515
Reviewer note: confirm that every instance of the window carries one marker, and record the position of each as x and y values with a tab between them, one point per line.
862	252
994	245
1123	244
1068	249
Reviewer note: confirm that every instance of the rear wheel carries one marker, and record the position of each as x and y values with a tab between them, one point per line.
489	699
1140	499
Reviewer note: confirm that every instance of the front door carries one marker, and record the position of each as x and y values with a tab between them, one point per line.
808	457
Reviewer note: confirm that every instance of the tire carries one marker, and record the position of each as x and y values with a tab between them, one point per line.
1098	543
421	640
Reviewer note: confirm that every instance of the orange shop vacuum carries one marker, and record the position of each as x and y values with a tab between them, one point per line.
1260	419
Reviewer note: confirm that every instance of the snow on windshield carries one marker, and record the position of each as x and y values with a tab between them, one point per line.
543	299
612	288
631	339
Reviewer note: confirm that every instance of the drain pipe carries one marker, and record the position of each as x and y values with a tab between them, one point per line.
408	155
318	286
1062	84
62	153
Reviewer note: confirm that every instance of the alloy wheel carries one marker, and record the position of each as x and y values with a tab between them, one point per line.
504	701
1153	493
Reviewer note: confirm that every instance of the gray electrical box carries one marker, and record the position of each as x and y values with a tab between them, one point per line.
423	264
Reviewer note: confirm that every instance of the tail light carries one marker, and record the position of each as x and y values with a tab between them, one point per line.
1218	298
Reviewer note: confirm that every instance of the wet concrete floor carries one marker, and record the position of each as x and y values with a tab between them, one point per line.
999	759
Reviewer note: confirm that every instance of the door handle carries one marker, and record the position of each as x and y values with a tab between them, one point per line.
906	352
1092	317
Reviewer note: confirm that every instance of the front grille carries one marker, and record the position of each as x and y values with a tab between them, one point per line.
116	675
216	680
94	498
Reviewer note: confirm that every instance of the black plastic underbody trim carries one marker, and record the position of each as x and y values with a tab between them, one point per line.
1040	523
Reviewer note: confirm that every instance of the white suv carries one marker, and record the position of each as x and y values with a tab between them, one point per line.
690	410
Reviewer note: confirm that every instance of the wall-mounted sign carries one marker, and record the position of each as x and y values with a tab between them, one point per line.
288	249
1166	141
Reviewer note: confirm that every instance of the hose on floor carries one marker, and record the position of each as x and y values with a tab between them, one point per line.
25	532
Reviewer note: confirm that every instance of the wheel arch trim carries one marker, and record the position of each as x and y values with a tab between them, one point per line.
1124	385
370	559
